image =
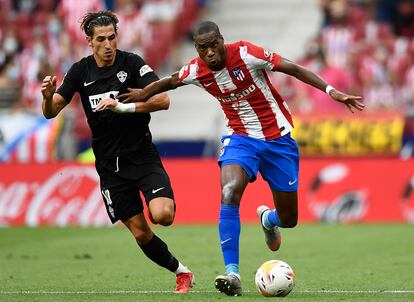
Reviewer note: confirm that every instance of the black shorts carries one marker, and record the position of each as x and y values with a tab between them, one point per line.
123	178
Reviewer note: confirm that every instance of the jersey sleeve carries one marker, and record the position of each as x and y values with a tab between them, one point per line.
144	74
188	73
70	83
260	57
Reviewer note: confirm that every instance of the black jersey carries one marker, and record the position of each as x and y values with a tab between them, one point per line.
113	134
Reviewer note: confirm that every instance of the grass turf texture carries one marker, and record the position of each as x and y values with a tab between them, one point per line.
331	262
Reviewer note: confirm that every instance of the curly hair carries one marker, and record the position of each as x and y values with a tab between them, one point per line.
95	19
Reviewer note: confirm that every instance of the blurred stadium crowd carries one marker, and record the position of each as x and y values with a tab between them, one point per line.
40	37
364	47
43	37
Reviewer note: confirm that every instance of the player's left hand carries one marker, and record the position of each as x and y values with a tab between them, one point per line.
133	95
351	101
106	104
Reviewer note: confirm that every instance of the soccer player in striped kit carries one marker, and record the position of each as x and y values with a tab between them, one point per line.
258	138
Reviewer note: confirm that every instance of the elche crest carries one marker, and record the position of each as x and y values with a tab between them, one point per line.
122	75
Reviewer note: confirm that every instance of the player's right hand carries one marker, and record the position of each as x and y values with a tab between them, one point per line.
106	104
48	87
351	101
133	95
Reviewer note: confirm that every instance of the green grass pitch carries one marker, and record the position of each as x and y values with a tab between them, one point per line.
331	262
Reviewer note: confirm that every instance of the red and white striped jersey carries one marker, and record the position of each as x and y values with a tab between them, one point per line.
250	103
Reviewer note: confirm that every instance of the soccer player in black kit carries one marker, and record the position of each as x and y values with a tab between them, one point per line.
126	159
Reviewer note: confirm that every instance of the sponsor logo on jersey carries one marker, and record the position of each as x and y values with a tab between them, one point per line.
238	73
182	70
236	96
122	75
95	99
144	70
268	54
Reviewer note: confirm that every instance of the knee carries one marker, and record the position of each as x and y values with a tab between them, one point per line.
164	216
230	194
166	219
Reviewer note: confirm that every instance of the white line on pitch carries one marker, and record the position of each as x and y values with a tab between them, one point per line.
121	292
340	291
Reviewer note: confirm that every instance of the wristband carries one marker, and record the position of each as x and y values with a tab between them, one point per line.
124	108
328	89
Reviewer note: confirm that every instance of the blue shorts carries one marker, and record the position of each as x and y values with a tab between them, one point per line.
277	160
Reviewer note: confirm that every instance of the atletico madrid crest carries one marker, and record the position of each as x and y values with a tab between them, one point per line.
238	73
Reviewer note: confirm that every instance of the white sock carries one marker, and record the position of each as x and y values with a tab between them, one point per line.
181	269
264	215
235	274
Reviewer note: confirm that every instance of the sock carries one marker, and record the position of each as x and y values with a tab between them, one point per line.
232	268
235	274
157	251
271	219
181	269
229	230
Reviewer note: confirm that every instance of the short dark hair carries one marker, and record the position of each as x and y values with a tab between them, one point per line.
205	27
102	18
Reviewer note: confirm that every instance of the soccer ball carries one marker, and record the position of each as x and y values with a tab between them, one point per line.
275	278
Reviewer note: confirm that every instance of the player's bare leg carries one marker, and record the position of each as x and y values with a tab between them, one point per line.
139	228
286	204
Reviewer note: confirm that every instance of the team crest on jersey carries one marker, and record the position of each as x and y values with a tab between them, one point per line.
122	75
238	73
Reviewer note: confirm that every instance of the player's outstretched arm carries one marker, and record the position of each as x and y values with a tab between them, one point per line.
142	95
157	102
52	102
311	78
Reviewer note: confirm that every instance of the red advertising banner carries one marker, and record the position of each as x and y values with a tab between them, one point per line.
331	190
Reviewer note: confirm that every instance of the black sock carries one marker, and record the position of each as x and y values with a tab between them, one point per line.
157	251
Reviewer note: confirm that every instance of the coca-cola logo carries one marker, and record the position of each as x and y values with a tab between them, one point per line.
69	196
